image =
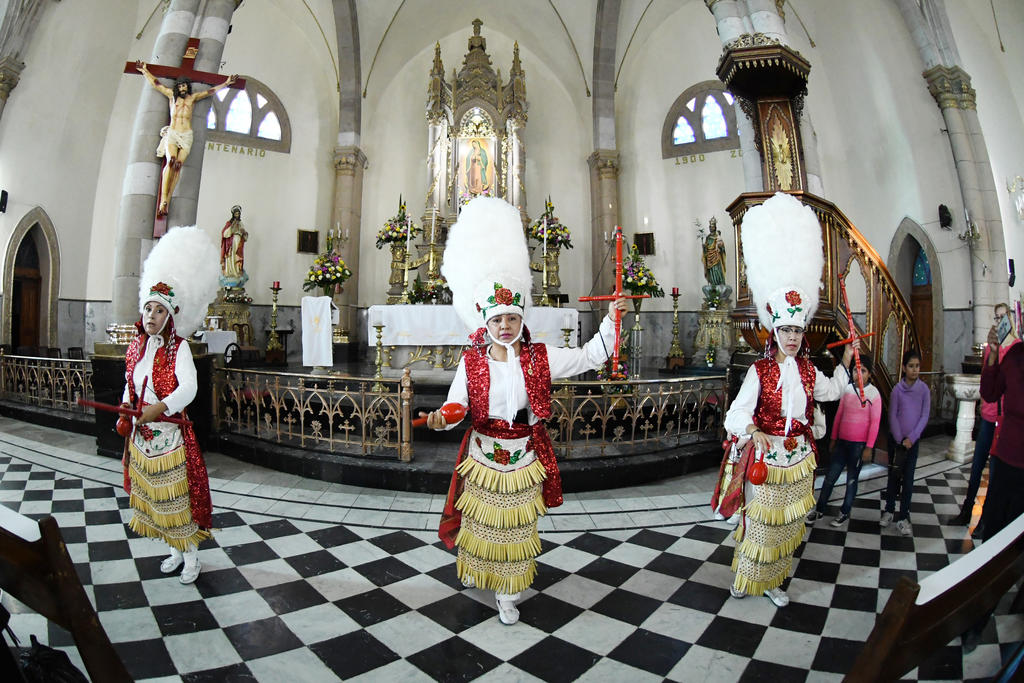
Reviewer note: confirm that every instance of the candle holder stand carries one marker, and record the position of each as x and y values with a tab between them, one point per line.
378	374
274	342
675	359
566	336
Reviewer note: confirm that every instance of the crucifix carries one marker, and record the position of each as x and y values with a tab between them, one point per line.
617	293
176	138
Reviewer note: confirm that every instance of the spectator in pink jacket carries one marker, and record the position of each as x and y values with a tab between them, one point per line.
854	429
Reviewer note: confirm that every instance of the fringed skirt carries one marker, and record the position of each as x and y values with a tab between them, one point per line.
159	487
500	504
773	527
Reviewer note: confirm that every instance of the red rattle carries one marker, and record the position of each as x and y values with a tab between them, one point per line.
758	472
452	412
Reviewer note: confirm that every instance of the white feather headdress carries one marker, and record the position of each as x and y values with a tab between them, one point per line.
486	262
783	255
188	263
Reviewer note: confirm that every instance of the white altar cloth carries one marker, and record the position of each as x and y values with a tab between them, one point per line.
431	325
218	340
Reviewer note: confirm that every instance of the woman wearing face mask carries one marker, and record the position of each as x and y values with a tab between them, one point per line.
505	475
164	472
775	405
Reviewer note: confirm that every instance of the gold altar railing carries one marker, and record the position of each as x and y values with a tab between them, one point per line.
599	419
55	383
350	415
887	315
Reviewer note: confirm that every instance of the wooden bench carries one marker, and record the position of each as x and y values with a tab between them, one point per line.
920	618
35	568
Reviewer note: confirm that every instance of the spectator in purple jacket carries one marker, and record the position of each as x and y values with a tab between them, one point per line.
909	405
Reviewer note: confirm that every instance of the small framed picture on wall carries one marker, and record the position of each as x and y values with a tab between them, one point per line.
308	241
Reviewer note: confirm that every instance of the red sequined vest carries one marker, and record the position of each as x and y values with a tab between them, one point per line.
768	414
164	379
537	374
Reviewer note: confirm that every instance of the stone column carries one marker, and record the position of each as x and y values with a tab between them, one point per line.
604	196
730	18
349	162
17	25
10	74
134	234
765	18
951	88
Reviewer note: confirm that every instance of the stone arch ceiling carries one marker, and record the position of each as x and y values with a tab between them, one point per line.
531	22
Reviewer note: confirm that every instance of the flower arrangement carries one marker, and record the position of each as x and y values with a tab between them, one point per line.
558	235
327	271
637	277
430	291
712	298
710	355
465	196
396	228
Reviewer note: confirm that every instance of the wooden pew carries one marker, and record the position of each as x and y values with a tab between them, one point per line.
35	568
920	618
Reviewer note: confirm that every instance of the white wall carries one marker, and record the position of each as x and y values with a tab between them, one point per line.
658	68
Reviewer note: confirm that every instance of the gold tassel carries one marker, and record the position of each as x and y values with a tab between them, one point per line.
502	482
159	493
499	584
160	463
780	516
501	518
182	544
757	587
787	475
163	519
765	554
500	552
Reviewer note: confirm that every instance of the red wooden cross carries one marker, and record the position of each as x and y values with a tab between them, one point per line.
185	70
615	374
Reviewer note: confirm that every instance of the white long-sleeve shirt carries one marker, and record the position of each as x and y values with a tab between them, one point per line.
741	411
184	370
507	393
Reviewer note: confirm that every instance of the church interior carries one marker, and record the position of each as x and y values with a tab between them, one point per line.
632	157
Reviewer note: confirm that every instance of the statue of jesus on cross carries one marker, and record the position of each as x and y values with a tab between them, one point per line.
176	137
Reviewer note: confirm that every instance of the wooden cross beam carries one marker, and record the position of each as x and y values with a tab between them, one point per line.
616	294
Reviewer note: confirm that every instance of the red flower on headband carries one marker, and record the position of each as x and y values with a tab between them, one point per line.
793	298
503	296
161	288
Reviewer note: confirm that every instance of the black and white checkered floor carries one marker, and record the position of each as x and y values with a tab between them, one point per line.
310	581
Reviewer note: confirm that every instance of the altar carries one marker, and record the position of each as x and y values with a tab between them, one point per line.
435	335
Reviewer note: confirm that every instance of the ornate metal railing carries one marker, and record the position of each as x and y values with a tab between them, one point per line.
55	383
598	419
351	415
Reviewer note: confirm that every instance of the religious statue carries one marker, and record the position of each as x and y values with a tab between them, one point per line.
232	250
476	169
176	138
713	259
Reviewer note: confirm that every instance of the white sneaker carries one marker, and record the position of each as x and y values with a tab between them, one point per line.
736	593
191	572
468	581
719	517
734	520
507	612
903	526
778	596
885	520
171	562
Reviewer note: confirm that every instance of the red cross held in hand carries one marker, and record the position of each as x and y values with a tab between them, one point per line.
616	294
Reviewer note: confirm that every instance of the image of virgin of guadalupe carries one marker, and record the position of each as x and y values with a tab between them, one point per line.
476	169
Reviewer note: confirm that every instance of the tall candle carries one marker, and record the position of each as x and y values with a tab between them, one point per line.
277	284
408	236
545	237
567	321
675	291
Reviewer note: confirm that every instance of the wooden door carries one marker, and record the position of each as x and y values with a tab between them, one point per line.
27	289
921	310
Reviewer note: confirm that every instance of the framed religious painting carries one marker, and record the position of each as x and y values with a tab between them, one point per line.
476	162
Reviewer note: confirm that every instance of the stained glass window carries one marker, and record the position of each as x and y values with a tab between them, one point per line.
253	117
922	269
683	133
712	120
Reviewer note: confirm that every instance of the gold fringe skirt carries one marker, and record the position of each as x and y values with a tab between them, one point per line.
160	498
773	527
498	540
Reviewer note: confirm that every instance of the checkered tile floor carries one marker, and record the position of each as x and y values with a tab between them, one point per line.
625	590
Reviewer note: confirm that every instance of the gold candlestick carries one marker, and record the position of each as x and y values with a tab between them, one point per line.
544	300
675	351
379	362
274	343
566	335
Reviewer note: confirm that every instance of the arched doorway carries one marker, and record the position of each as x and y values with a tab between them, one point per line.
26	298
31	280
913	264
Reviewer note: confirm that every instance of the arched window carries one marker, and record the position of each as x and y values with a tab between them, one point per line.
253	117
702	119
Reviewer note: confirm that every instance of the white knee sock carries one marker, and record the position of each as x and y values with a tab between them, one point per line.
175	553
191	556
506	597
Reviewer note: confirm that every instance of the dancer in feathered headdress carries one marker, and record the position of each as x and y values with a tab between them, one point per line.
505	475
164	469
772	415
